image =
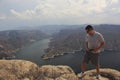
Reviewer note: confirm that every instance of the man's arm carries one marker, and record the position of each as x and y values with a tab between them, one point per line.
101	45
102	41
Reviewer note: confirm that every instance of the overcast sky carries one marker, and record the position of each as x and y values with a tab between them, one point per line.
15	13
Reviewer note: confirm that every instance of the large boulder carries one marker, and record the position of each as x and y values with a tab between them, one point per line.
17	70
50	72
25	70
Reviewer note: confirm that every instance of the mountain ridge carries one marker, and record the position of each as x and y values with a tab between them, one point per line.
69	40
12	40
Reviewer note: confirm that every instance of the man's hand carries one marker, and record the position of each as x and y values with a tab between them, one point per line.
95	50
87	50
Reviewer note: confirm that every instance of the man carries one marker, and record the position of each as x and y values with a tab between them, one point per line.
94	45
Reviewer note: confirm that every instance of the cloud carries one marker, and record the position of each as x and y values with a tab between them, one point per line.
2	17
42	12
59	9
28	14
62	9
114	1
116	10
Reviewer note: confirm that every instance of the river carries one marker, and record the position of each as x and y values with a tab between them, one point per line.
33	52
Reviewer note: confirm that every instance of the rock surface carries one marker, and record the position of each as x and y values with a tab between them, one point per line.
25	70
105	74
56	73
17	70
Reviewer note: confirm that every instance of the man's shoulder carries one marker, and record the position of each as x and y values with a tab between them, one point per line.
98	33
100	36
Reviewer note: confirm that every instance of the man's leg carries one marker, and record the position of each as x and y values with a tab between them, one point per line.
83	67
95	61
84	62
98	69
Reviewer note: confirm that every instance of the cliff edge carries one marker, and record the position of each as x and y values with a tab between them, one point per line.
26	70
106	74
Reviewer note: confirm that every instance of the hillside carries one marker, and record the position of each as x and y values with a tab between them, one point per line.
69	40
13	40
25	70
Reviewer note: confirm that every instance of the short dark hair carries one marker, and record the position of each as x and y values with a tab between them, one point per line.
89	27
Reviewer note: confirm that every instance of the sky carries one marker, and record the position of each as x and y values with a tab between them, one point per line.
14	13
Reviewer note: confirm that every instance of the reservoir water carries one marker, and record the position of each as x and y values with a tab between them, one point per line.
33	52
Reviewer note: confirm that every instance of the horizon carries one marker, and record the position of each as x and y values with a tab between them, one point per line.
50	27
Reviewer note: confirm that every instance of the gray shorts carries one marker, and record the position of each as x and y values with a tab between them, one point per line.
92	57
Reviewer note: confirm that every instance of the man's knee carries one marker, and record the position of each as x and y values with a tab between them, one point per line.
84	63
97	65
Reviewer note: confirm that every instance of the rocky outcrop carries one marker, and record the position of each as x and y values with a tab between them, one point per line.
106	74
25	70
56	73
17	70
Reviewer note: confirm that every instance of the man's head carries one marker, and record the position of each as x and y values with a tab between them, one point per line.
90	30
